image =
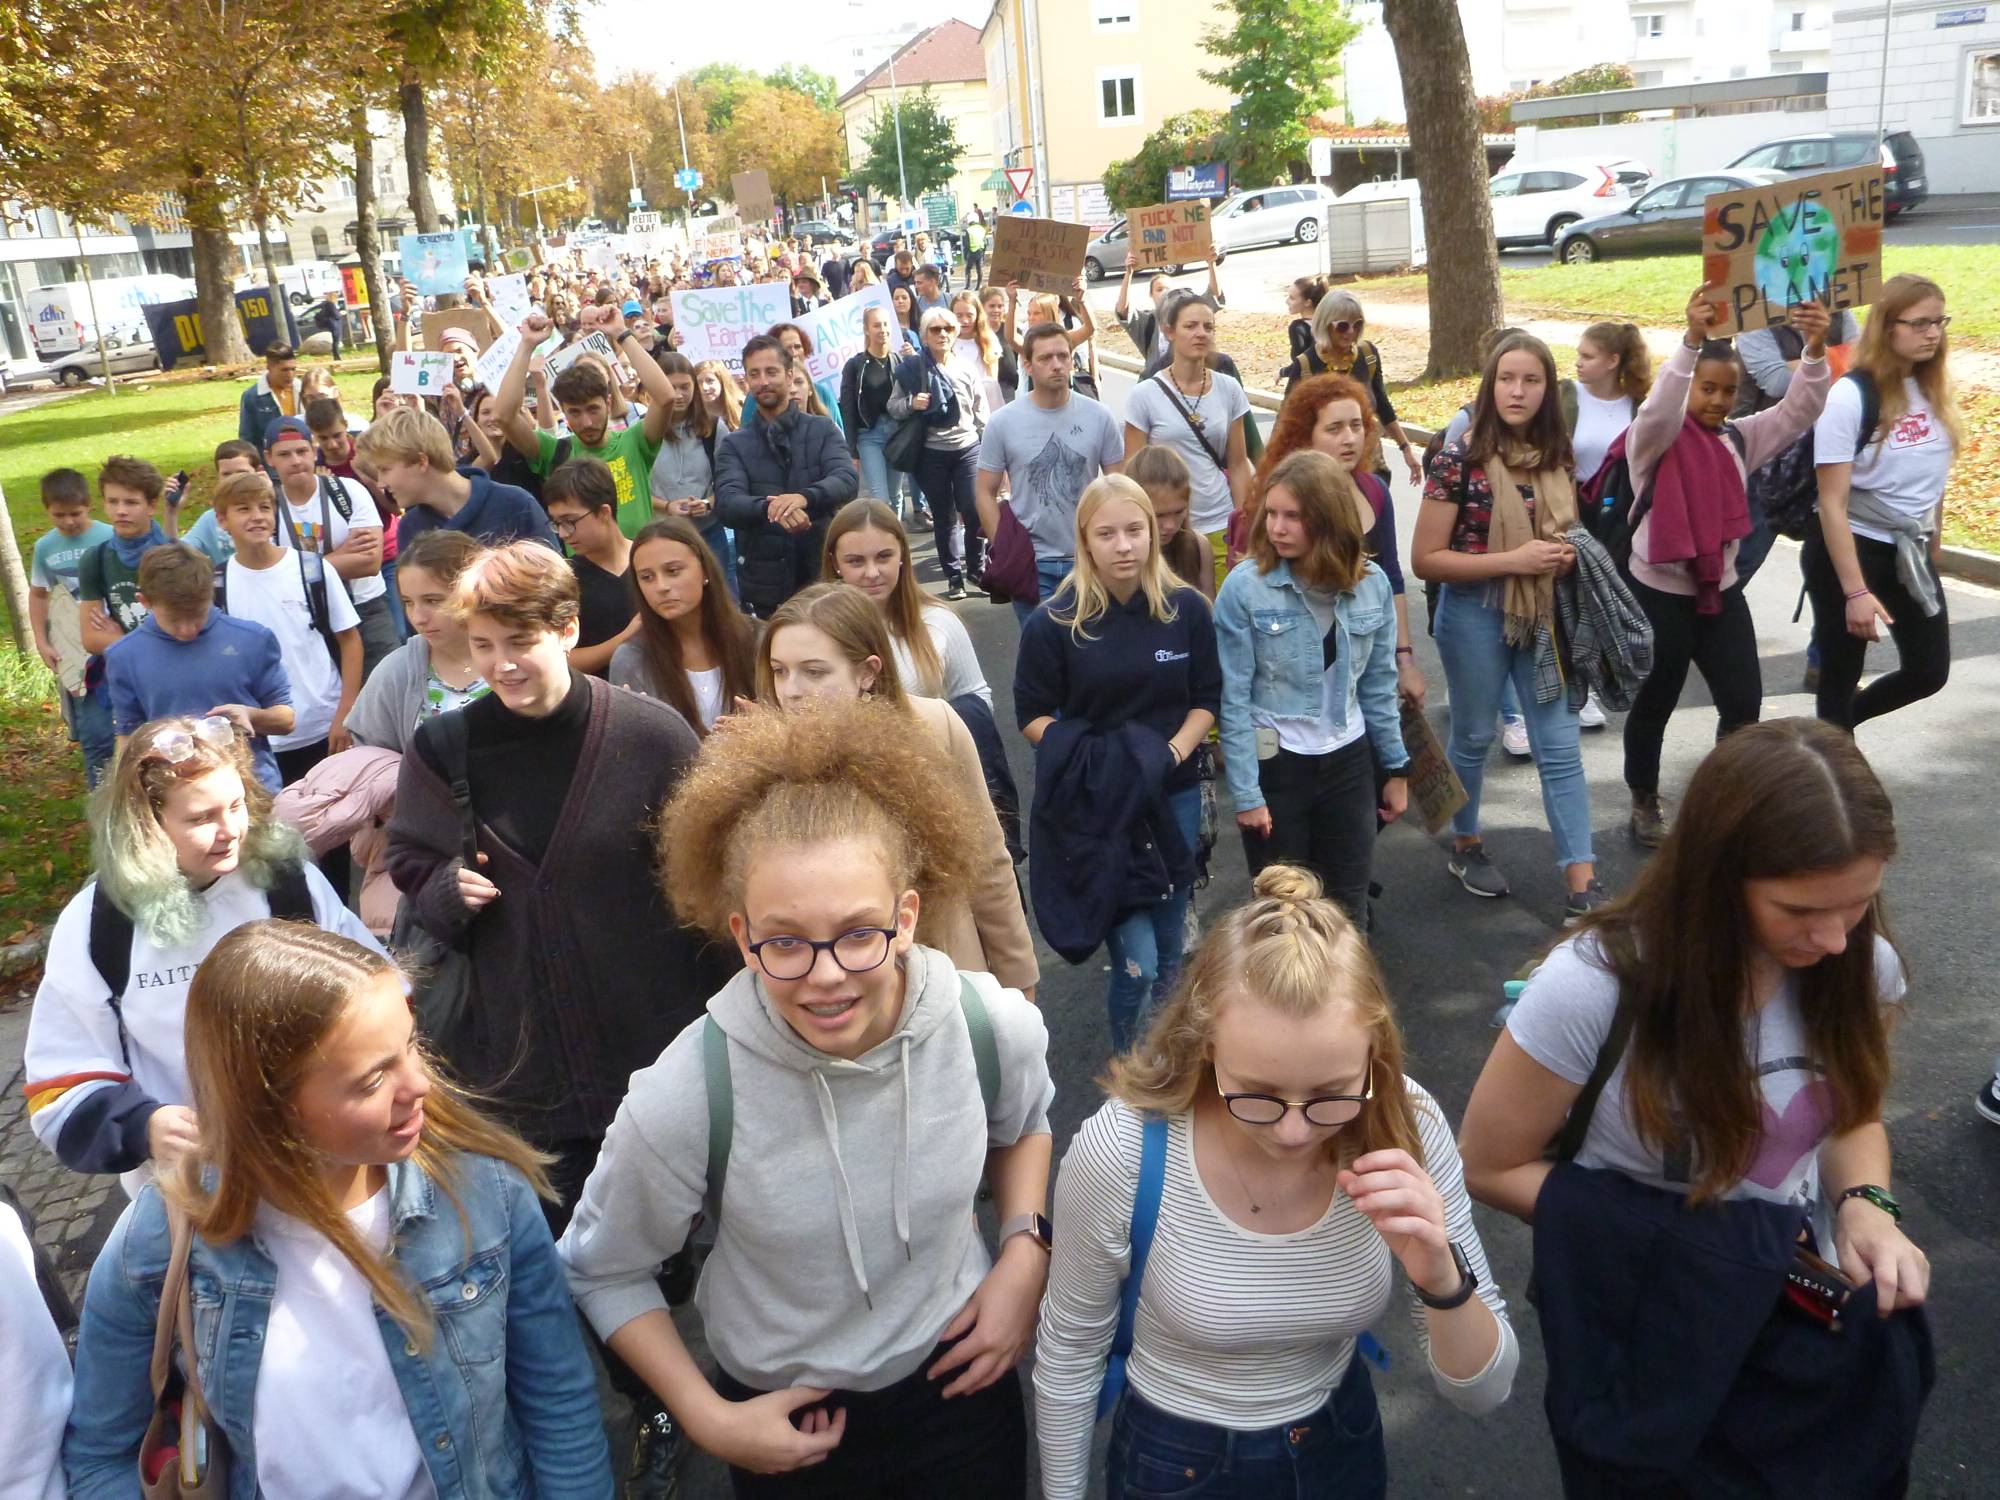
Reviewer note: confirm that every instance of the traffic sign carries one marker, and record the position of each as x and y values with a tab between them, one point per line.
687	179
1018	179
1023	208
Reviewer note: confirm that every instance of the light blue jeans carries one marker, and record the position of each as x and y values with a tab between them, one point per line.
878	480
1144	944
1477	661
89	721
1050	572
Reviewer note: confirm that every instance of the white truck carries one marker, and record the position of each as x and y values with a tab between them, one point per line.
304	283
59	317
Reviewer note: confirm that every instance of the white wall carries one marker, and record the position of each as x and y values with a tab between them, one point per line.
1672	148
1926	87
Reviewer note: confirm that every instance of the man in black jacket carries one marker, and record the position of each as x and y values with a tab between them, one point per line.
779	478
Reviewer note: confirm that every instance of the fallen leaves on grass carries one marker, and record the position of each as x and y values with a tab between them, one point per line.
1972	498
42	820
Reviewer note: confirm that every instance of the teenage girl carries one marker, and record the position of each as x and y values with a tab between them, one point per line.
695	650
867	547
1163	475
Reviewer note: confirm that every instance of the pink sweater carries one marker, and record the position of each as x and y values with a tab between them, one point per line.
1765	435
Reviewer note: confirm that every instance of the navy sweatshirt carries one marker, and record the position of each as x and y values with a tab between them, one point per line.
1134	670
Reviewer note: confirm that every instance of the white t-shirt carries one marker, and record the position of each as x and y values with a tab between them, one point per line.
966	352
958	662
275	597
1564	1015
34	1371
321	536
1906	469
1157	413
1598	424
1318	736
330	1420
708	700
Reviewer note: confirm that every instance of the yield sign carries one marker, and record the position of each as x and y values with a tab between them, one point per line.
1018	179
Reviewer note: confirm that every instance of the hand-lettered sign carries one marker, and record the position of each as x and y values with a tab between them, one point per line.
1044	255
419	372
1171	234
1806	239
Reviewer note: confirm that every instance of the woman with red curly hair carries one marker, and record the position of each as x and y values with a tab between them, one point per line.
1333	415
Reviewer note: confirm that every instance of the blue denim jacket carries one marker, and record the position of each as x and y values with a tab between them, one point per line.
504	1405
1272	660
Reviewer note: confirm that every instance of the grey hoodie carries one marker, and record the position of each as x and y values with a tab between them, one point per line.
845	1241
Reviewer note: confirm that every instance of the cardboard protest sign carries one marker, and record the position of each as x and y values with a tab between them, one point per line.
1044	255
838	334
716	322
640	222
491	367
435	263
1804	239
1171	234
593	342
752	192
65	627
1435	790
419	372
517	260
509	295
710	248
474	325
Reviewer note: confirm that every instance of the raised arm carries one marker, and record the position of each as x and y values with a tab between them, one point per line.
514	422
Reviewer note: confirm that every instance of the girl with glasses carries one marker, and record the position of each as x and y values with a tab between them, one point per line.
865	1336
186	849
1301	1168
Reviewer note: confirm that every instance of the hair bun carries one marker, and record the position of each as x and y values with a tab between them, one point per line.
1286	883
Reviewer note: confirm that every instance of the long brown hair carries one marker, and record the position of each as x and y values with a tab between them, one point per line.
1300	414
904	612
848	618
1933	376
1547	437
1298	952
1780	799
731	638
1331	510
698	421
261	1004
1635	361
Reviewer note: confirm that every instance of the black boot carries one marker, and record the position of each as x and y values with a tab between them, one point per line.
659	1453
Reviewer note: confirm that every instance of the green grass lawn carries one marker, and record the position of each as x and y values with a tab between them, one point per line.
1652	291
41	816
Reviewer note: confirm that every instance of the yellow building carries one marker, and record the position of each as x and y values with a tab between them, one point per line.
1079	84
946	58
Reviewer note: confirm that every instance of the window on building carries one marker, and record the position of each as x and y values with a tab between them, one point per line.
322	247
1115	15
385	179
1650	78
1798	20
1788	67
1644	27
1739	72
1118	97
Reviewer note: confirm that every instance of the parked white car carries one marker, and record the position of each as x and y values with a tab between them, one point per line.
1534	202
1271	216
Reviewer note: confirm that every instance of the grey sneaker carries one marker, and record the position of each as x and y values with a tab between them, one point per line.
1476	872
1987	1100
1649	820
1582	903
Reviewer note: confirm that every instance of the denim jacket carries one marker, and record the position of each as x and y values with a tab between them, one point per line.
1272	660
504	1404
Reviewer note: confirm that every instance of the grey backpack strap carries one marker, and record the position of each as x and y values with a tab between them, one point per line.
721	1104
985	1051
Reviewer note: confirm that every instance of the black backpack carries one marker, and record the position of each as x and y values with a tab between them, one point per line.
316	604
1785	491
1611	511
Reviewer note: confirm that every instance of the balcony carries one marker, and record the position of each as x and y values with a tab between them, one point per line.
1789	43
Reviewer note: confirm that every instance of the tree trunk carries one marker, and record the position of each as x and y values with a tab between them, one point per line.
486	239
417	155
1451	168
14	582
281	306
367	243
214	272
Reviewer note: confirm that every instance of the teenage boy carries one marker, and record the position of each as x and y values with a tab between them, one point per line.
107	579
583	394
187	657
335	520
319	634
583	507
778	480
1048	446
928	288
232	457
52	578
275	395
410	452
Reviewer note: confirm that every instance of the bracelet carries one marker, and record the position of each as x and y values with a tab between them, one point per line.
1858	593
1179	757
1879	1197
1406	650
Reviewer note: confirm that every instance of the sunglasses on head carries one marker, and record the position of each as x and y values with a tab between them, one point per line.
176	745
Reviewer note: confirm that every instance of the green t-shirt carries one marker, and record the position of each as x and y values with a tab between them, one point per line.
629	457
102	574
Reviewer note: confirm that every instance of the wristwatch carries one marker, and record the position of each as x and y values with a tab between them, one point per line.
1468	1284
1879	1196
1033	1224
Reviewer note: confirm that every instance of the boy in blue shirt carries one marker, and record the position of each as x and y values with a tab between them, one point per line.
86	709
232	457
187	657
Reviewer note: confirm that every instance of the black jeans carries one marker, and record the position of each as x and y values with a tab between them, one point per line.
1923	642
906	1442
1322	817
948	481
1722	647
979	723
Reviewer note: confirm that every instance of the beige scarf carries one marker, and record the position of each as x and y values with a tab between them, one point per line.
1528	598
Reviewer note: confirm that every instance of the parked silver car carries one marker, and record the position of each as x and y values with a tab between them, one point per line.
1280	215
1105	255
130	351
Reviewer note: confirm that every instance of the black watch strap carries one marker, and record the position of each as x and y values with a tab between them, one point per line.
1881	1197
1468	1284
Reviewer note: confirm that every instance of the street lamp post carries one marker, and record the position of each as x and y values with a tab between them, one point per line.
896	106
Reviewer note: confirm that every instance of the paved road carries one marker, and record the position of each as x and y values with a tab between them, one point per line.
1446	954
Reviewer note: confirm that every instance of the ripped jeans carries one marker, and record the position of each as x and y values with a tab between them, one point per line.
1144	944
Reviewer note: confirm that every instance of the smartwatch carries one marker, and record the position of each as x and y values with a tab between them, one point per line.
1033	1224
1468	1283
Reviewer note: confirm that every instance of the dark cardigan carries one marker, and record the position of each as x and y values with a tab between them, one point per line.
580	972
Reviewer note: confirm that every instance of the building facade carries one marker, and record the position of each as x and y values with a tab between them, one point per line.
947	60
1942	84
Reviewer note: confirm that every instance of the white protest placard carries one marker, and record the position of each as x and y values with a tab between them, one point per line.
593	342
419	372
716	322
838	334
711	248
642	223
491	367
510	297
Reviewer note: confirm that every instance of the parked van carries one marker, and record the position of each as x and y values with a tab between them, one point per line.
304	283
59	317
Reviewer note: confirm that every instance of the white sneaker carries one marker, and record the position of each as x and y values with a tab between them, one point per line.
1591	716
1514	736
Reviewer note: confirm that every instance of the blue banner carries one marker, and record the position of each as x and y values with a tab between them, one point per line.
1209	180
176	326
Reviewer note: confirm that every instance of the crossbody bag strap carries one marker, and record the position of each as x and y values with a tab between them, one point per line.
1145	1220
454	747
1569	1140
721	1105
1187	416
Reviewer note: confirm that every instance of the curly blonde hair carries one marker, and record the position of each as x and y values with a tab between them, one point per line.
788	780
1298	952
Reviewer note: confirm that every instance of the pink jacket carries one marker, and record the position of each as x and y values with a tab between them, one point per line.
1765	434
347	799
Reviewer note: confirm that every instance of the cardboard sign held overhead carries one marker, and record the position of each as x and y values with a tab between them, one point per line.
716	322
1171	234
1044	255
593	342
419	372
474	325
1804	239
752	192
